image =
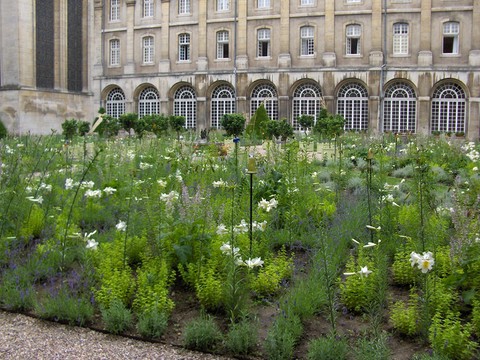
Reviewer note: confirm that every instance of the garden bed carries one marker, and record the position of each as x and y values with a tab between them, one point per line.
360	248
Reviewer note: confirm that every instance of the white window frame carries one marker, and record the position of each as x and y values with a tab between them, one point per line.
223	47
451	32
185	104
114	10
266	94
401	32
149	102
307	41
223	102
184	7
353	35
263	43
449	109
400	109
352	104
184	47
306	2
114	48
115	103
263	4
223	5
148	8
148	47
307	100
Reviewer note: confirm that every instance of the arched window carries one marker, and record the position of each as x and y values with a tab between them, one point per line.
223	102
115	104
185	104
399	108
148	102
448	108
267	95
306	101
352	104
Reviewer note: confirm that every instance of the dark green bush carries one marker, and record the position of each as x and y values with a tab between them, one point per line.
234	124
202	334
3	130
70	128
117	318
152	324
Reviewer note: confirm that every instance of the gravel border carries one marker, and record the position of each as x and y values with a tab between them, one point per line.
23	337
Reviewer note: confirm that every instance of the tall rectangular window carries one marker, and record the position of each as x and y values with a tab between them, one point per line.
306	2
223	5
307	41
400	38
148	49
263	43
353	34
184	47
114	52
148	6
114	10
45	44
450	37
222	45
263	4
75	46
184	7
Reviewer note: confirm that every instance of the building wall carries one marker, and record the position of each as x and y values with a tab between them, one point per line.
424	67
28	104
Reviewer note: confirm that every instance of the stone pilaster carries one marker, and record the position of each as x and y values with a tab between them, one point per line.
129	67
425	56
164	62
329	57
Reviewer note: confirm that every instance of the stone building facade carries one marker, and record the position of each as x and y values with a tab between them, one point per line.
385	65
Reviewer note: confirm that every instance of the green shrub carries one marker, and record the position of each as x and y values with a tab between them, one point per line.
209	289
282	337
34	224
405	317
116	317
83	128
152	324
66	308
450	337
16	290
118	284
157	124
328	348
372	348
242	338
127	121
3	130
234	124
402	271
269	278
202	334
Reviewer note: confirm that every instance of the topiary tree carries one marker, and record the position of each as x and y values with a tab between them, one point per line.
127	121
329	125
281	130
140	126
257	127
234	124
83	128
69	128
109	126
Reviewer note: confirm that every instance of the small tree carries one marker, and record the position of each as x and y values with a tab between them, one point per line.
3	130
140	126
234	124
306	122
281	130
83	128
177	124
158	124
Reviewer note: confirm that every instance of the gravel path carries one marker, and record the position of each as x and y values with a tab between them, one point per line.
23	337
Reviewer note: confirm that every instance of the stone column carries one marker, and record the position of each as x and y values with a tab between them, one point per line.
376	54
242	38
474	56
329	57
284	57
425	56
129	67
202	61
61	50
164	62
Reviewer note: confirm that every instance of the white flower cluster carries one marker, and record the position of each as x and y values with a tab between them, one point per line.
169	198
227	249
424	262
219	184
268	205
471	152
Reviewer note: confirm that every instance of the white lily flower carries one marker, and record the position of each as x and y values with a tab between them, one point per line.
364	271
92	244
121	226
38	200
373	227
93	193
162	183
218	184
255	262
69	184
355	241
221	229
241	228
109	190
369	244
